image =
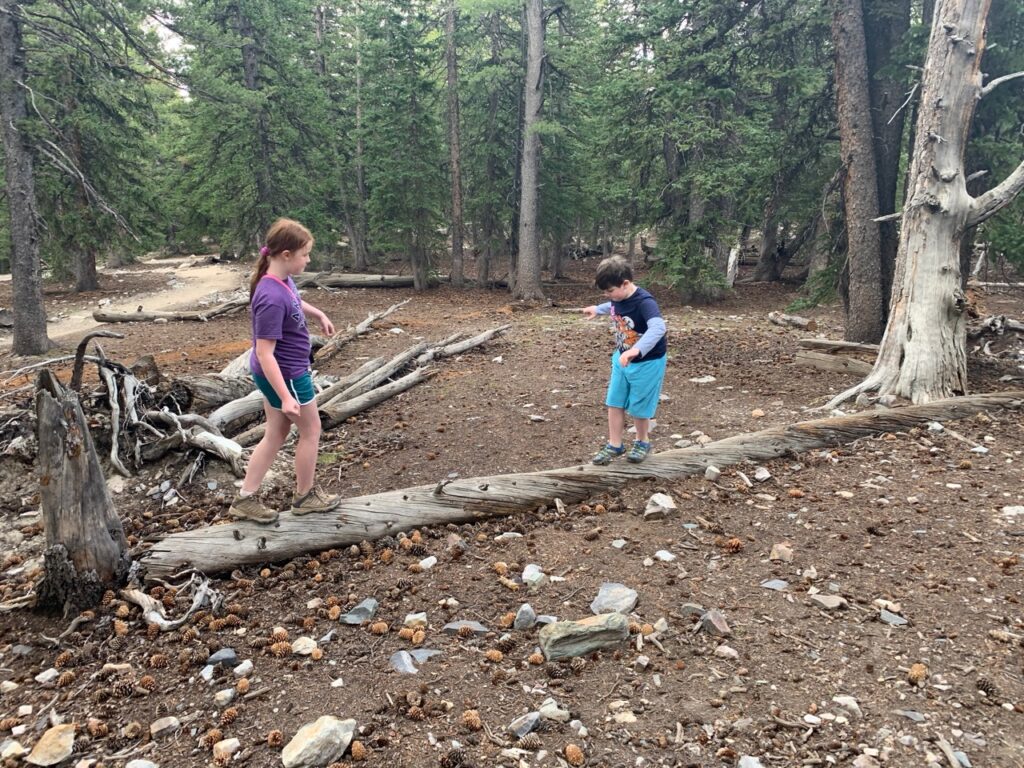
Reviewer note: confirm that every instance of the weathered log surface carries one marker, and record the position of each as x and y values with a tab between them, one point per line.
342	280
823	361
223	547
212	390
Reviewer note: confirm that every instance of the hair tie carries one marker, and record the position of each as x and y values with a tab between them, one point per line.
264	251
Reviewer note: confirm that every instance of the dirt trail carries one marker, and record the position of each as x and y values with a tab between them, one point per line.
188	283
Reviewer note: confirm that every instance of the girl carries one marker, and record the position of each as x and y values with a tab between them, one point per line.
280	368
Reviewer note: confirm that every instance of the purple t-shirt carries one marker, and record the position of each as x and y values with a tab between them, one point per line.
277	314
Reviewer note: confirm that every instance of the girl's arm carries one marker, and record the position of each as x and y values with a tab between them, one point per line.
319	316
272	372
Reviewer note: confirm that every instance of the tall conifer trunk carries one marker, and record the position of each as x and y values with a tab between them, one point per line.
527	284
27	302
454	143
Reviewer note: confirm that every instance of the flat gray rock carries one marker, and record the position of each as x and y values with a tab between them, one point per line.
775	584
453	627
614	598
225	656
713	622
403	663
892	619
365	611
565	639
422	654
523	724
829	602
319	743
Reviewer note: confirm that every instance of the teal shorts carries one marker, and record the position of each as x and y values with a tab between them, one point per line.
300	387
636	387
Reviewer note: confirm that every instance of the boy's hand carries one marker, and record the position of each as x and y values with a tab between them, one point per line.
628	356
590	312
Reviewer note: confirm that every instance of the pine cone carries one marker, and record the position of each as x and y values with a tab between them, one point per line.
530	741
189	634
404	585
557	671
229	716
471	720
366	548
64	659
211	737
123	689
157	661
66	679
578	664
275	739
506	643
453	759
148	682
986	686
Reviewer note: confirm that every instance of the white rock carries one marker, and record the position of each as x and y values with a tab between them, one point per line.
223	750
849	704
550	710
664	555
141	764
244	668
703	379
712	473
319	743
54	746
8	686
416	619
303	646
727	652
166	726
47	676
782	552
761	474
12	749
428	562
224	697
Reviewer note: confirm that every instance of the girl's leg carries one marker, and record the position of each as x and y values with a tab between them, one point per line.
307	448
263	455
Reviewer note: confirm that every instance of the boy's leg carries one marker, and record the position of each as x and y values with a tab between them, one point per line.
616	425
643	429
645	388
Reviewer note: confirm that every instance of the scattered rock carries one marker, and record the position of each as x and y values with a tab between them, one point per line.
775	584
165	726
223	750
47	676
12	750
303	646
533	576
427	563
422	654
713	622
365	611
614	597
849	704
659	506
708	379
224	697
225	656
141	764
750	762
891	618
54	746
565	639
829	602
550	710
402	662
664	555
761	474
526	617
415	619
243	669
727	652
453	627
319	743
781	552
911	714
523	724
619	544
712	473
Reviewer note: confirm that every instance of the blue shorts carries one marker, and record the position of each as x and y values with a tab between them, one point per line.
636	387
301	388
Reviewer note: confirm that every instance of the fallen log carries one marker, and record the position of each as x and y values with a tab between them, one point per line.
458	347
995	325
220	548
197	315
342	280
794	321
207	391
823	361
830	345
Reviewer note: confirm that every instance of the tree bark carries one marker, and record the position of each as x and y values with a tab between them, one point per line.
886	22
527	282
923	355
86	548
866	301
454	143
27	301
262	174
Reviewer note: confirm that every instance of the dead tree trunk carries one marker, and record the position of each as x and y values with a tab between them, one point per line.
527	277
865	300
86	550
223	547
923	355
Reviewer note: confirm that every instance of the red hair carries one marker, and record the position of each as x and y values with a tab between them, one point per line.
283	235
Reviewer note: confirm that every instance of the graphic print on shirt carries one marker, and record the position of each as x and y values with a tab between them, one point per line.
297	314
625	333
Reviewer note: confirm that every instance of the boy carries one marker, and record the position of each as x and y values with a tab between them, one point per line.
638	363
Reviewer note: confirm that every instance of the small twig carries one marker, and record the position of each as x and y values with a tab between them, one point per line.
612	690
904	104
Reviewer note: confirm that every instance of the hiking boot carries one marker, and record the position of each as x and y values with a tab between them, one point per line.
250	508
317	500
638	451
606	454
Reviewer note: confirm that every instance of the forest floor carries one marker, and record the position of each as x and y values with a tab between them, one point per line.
923	520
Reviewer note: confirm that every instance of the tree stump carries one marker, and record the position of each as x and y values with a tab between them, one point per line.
86	550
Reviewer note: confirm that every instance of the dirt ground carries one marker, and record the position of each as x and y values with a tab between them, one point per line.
931	521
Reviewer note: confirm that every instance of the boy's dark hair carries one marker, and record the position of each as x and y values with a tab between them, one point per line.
612	272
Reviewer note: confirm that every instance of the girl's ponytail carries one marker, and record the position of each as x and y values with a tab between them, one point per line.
261	269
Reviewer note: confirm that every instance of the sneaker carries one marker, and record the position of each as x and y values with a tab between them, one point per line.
638	451
317	500
250	508
606	454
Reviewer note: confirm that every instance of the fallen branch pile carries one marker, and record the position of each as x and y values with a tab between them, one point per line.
137	421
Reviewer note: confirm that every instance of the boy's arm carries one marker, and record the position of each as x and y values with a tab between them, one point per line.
655	330
597	309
